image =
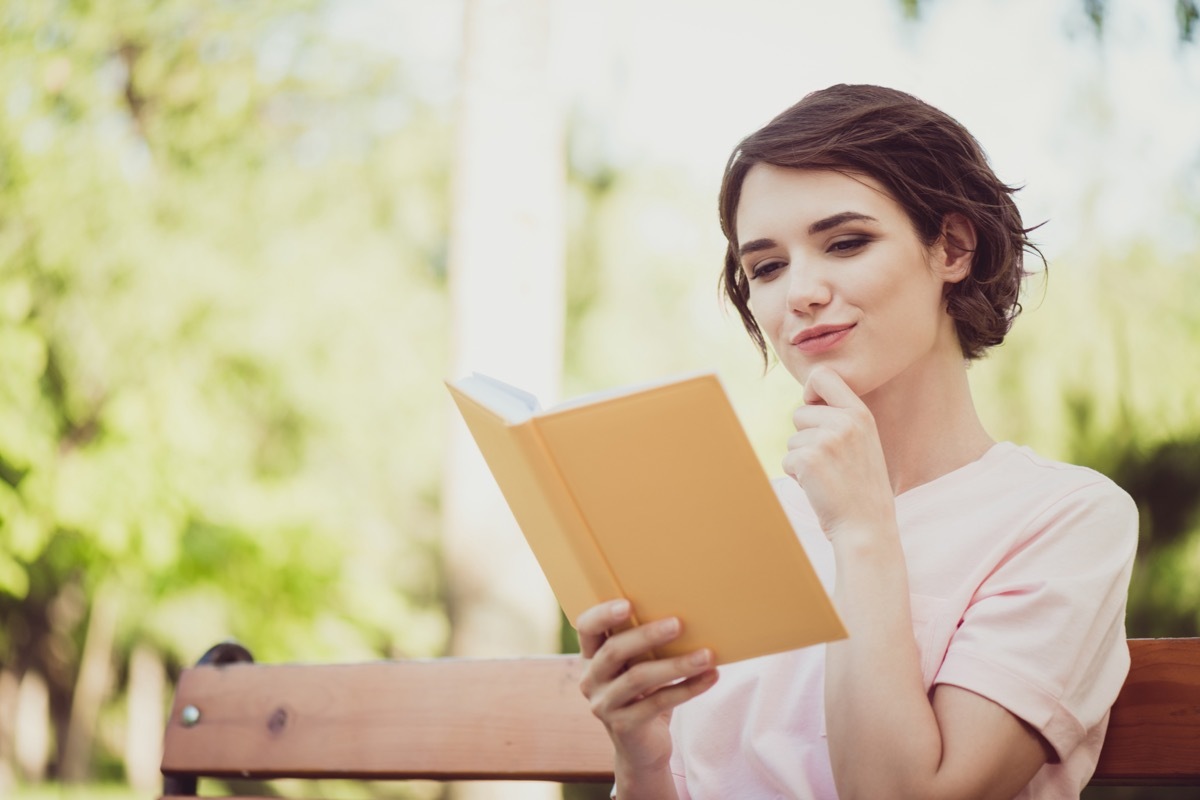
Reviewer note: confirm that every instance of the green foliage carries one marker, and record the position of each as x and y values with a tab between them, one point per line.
203	270
223	313
1098	372
1187	14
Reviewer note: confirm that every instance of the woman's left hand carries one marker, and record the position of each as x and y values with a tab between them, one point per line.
836	457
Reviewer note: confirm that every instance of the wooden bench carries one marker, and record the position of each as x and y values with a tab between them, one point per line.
524	719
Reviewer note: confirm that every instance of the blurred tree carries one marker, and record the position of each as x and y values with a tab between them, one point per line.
1116	392
507	290
1098	372
201	269
1187	14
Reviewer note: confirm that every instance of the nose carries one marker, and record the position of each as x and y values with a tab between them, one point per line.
808	288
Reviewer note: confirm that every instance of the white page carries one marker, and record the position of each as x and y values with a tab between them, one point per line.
515	405
621	391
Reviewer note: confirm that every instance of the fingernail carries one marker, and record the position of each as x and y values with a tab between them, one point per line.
618	608
669	627
700	658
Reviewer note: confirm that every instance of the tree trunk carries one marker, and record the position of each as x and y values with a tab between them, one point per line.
145	713
91	688
507	297
32	728
9	686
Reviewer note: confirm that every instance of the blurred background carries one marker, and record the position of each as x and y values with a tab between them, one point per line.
242	245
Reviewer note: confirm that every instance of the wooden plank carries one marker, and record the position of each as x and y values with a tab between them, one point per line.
1154	733
442	719
525	719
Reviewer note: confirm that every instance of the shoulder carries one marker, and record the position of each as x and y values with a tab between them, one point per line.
1056	493
1057	478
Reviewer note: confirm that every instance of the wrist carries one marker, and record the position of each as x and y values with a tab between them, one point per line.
640	768
644	782
862	538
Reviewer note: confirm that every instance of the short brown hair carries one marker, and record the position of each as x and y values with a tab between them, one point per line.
929	163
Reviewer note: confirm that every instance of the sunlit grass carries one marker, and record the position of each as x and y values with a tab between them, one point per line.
60	791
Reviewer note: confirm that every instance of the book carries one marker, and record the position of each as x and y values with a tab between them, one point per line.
654	494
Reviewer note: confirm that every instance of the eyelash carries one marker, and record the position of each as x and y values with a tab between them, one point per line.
842	247
764	269
849	245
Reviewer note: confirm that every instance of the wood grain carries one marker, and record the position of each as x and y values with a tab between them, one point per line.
1154	732
440	719
525	719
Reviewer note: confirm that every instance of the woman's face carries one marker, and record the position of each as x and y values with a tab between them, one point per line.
838	276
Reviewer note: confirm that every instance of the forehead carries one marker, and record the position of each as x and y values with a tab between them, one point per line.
774	196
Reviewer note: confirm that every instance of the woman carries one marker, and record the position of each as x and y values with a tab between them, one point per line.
873	248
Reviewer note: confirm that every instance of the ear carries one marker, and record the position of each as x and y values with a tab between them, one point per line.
954	252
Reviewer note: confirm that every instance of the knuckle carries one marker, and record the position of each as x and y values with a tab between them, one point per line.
661	701
635	674
803	459
603	658
597	708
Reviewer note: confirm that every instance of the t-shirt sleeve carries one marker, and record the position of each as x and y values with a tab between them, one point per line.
1044	636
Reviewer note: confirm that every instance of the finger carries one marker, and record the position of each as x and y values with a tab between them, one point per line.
824	386
797	463
634	644
645	709
808	417
595	624
648	678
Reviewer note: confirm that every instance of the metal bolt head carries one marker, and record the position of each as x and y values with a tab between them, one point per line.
189	716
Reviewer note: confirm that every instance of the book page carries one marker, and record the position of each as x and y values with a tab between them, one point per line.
513	404
622	391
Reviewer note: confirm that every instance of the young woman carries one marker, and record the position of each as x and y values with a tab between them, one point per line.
874	249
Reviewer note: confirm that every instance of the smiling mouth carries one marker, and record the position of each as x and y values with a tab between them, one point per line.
821	337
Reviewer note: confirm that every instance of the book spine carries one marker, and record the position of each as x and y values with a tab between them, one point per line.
601	581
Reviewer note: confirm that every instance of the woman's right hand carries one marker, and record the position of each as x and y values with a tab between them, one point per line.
632	693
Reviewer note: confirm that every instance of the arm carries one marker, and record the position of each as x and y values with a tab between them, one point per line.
633	695
887	737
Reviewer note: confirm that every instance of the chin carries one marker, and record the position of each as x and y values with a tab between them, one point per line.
861	385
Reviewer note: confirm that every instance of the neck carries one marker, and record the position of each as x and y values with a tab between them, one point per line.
927	423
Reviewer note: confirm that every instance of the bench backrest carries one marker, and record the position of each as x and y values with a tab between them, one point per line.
441	719
524	719
1154	732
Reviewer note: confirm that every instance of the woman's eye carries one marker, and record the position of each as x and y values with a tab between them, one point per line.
848	245
765	269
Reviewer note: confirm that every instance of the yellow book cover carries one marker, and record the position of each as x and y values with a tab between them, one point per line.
653	494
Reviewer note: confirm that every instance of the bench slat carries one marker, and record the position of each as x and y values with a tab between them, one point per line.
1154	732
524	719
521	719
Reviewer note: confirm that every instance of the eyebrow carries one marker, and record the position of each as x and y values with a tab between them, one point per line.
820	226
841	218
755	246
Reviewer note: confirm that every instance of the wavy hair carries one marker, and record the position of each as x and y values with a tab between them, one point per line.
928	162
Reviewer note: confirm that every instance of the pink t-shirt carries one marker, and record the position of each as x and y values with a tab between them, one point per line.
1018	570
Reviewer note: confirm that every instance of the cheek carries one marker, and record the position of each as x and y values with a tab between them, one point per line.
917	291
769	311
920	317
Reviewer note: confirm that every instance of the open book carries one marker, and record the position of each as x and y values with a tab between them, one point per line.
653	494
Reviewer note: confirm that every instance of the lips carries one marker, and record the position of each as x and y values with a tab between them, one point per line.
819	338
